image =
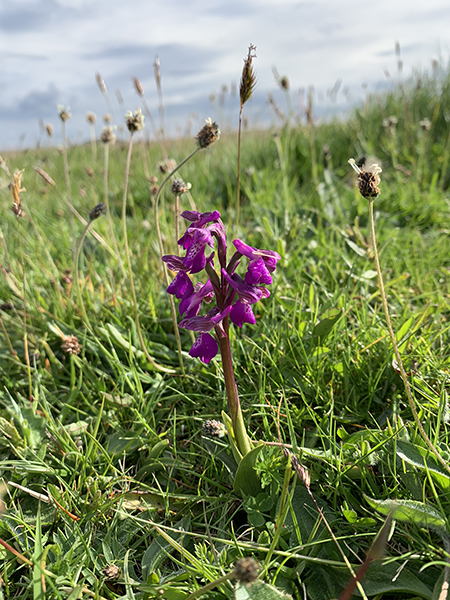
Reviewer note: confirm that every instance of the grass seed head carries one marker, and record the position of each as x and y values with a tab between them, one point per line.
71	345
111	572
97	211
138	86
108	136
246	570
101	84
208	134
90	118
368	180
64	112
248	78
49	129
213	428
134	121
179	187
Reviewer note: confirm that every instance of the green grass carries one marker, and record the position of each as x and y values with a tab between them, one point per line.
117	445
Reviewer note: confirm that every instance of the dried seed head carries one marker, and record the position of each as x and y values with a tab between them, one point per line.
179	187
246	570
97	211
301	472
108	136
64	113
213	428
138	86
111	572
71	345
45	176
390	122
101	84
208	134
284	83
135	121
425	124
248	78
367	181
91	118
107	118
17	189
49	129
167	166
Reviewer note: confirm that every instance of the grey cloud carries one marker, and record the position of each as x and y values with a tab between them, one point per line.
34	104
16	17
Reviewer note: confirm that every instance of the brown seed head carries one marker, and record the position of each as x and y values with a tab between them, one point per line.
167	166
71	345
101	84
425	124
248	78
284	83
179	187
49	129
246	570
111	572
97	211
367	181
208	134
64	113
17	189
213	428
301	472
108	136
107	118
135	121
138	86
90	118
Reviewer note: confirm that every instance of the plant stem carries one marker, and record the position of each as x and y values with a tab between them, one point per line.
76	274
108	211
210	586
243	442
67	178
394	343
238	196
127	255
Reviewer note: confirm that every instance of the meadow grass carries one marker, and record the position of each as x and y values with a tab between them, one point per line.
114	491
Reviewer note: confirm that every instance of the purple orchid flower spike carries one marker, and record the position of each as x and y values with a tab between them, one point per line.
235	297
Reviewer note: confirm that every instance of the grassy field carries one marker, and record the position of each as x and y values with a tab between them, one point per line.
110	489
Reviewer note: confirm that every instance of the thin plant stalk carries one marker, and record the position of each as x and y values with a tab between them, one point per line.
238	194
108	211
67	178
127	255
394	342
76	274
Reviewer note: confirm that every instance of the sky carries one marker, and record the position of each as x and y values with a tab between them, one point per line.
51	51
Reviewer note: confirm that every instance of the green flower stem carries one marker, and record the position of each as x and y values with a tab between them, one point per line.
130	270
76	274
161	251
238	185
394	343
240	433
210	586
108	211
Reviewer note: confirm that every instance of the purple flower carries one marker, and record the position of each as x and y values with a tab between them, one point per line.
190	304
181	286
206	322
258	272
195	259
205	348
242	313
248	294
175	263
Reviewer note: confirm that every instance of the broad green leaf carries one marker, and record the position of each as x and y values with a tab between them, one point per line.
258	590
410	511
422	459
328	321
247	481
